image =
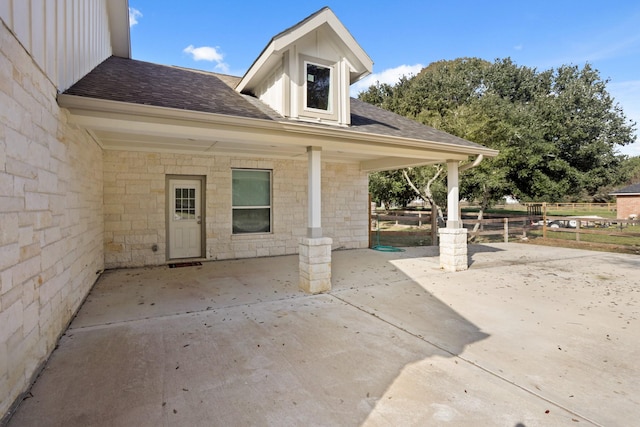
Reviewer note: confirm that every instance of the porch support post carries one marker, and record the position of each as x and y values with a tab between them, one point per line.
314	228
315	250
453	238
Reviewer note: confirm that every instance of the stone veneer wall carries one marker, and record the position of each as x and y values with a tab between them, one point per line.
135	200
51	219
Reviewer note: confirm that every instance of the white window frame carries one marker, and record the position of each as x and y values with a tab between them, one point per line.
330	100
269	206
331	113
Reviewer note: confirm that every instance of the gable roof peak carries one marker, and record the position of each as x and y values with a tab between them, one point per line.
279	43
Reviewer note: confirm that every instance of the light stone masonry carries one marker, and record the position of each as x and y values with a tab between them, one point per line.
51	218
453	249
315	264
135	220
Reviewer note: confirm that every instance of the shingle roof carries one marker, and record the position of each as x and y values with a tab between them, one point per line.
138	82
627	191
371	119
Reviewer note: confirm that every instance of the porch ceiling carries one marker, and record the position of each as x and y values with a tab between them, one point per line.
125	126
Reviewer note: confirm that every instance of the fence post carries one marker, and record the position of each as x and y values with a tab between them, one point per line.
434	226
506	230
544	220
578	230
419	219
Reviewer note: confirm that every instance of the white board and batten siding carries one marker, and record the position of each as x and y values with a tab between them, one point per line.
66	38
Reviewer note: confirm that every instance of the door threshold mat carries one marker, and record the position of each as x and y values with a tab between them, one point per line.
184	264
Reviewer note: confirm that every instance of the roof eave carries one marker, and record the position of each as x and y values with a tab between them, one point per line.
95	108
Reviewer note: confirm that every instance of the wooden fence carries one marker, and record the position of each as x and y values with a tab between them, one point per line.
611	207
594	226
513	226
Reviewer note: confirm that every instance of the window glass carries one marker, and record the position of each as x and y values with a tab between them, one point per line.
251	220
318	86
185	207
251	199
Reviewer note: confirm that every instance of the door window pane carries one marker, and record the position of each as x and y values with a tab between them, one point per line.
185	207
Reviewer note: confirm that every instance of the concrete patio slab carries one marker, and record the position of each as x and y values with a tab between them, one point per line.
528	336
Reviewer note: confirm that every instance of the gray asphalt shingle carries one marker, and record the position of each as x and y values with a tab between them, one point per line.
138	82
631	189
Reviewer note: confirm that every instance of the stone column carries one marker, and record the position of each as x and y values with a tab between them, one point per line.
453	238
453	249
315	250
315	264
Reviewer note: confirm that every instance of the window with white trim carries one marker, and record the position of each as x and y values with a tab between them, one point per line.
318	87
251	201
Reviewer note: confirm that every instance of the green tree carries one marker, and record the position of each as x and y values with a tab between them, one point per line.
390	188
557	130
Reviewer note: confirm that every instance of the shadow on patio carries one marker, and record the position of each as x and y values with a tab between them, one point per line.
236	343
527	336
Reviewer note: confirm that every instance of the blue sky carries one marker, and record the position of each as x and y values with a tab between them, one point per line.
403	36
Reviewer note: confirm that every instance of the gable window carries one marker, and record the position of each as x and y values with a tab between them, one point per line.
318	82
251	204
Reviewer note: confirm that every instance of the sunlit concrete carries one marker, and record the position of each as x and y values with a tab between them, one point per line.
528	336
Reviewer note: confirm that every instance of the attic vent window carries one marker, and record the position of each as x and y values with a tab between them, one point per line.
318	87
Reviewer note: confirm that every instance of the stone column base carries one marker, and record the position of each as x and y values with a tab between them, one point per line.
453	249
315	264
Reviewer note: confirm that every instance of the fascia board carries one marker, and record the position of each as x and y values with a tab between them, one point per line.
327	17
395	163
88	112
255	68
389	139
282	41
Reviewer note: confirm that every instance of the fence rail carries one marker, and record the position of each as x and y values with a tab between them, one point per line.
515	225
611	207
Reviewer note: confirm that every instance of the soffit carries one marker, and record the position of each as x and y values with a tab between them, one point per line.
134	105
122	126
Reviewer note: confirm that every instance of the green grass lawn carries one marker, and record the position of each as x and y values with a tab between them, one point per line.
391	234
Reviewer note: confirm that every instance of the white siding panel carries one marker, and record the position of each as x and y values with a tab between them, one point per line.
38	32
61	48
21	25
76	35
50	14
66	38
5	13
271	91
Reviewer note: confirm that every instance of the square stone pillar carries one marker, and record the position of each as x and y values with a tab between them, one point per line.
453	249
315	264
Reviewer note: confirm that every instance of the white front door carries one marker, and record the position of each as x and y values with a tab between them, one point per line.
185	218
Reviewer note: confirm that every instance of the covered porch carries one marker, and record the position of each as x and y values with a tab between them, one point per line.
146	144
527	336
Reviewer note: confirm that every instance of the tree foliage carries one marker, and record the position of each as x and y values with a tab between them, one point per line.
557	130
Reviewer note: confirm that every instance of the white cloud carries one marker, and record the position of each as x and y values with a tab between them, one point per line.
518	47
204	53
390	76
210	54
134	14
